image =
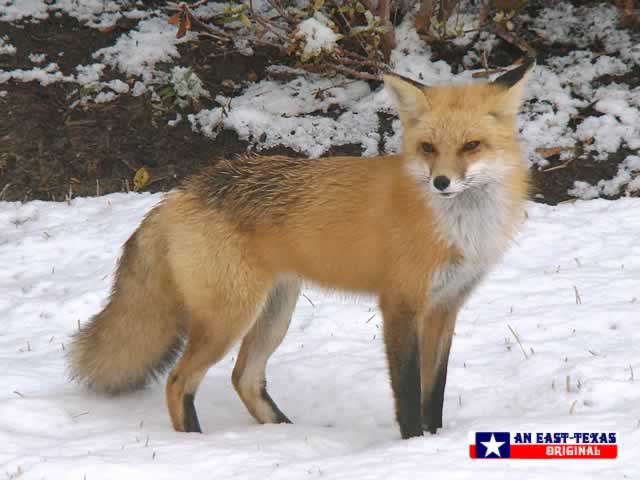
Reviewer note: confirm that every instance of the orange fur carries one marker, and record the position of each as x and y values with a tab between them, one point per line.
221	258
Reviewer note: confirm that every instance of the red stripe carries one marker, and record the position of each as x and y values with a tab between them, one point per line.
545	451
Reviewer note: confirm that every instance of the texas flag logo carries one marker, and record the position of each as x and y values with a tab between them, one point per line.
544	445
492	445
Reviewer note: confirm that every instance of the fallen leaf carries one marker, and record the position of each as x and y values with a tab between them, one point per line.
141	178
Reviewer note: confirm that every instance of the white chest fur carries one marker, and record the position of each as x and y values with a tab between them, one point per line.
476	223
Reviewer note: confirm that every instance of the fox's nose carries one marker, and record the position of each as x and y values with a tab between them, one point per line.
441	182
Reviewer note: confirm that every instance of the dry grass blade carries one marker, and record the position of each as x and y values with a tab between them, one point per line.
519	342
351	72
551	151
4	190
573	407
578	297
488	73
558	167
309	300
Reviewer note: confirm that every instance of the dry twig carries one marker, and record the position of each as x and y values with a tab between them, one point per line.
519	342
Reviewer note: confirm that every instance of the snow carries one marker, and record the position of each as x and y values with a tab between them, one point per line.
584	25
316	36
5	47
118	86
136	53
628	174
11	10
95	13
37	57
568	287
330	373
138	89
45	76
88	74
555	96
584	190
412	58
278	113
105	97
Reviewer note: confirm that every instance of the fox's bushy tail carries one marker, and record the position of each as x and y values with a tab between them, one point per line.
138	335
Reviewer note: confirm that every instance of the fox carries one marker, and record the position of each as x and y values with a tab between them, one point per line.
221	259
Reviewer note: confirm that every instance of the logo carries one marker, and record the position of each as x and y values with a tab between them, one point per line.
544	445
492	445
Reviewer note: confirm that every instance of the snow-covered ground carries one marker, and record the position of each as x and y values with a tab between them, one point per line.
569	288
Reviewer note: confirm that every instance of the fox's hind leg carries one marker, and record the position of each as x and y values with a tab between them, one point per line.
211	334
223	291
262	340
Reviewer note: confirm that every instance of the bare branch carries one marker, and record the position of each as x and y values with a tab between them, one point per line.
389	38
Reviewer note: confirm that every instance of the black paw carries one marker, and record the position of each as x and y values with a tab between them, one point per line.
191	423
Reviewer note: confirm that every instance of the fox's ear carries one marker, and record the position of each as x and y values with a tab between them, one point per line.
408	97
513	83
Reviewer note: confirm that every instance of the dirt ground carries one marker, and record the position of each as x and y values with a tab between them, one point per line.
50	150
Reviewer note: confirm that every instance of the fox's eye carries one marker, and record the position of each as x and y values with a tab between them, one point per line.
470	146
428	147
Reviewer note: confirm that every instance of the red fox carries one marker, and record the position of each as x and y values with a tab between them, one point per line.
222	257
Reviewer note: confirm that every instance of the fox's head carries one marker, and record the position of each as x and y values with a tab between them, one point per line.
459	137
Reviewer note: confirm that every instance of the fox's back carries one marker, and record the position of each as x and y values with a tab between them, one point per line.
340	221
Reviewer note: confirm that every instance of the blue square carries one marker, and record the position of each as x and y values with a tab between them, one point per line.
493	444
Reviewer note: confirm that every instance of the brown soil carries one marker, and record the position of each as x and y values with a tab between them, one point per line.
49	150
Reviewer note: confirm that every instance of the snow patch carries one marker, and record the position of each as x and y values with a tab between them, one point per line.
271	113
565	23
117	86
45	76
105	97
37	57
89	73
317	36
11	10
139	88
628	174
618	126
136	52
5	47
93	13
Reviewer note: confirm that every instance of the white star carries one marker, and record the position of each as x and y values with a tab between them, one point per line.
492	446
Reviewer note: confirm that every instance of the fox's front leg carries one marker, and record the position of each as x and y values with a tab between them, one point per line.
401	341
436	334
